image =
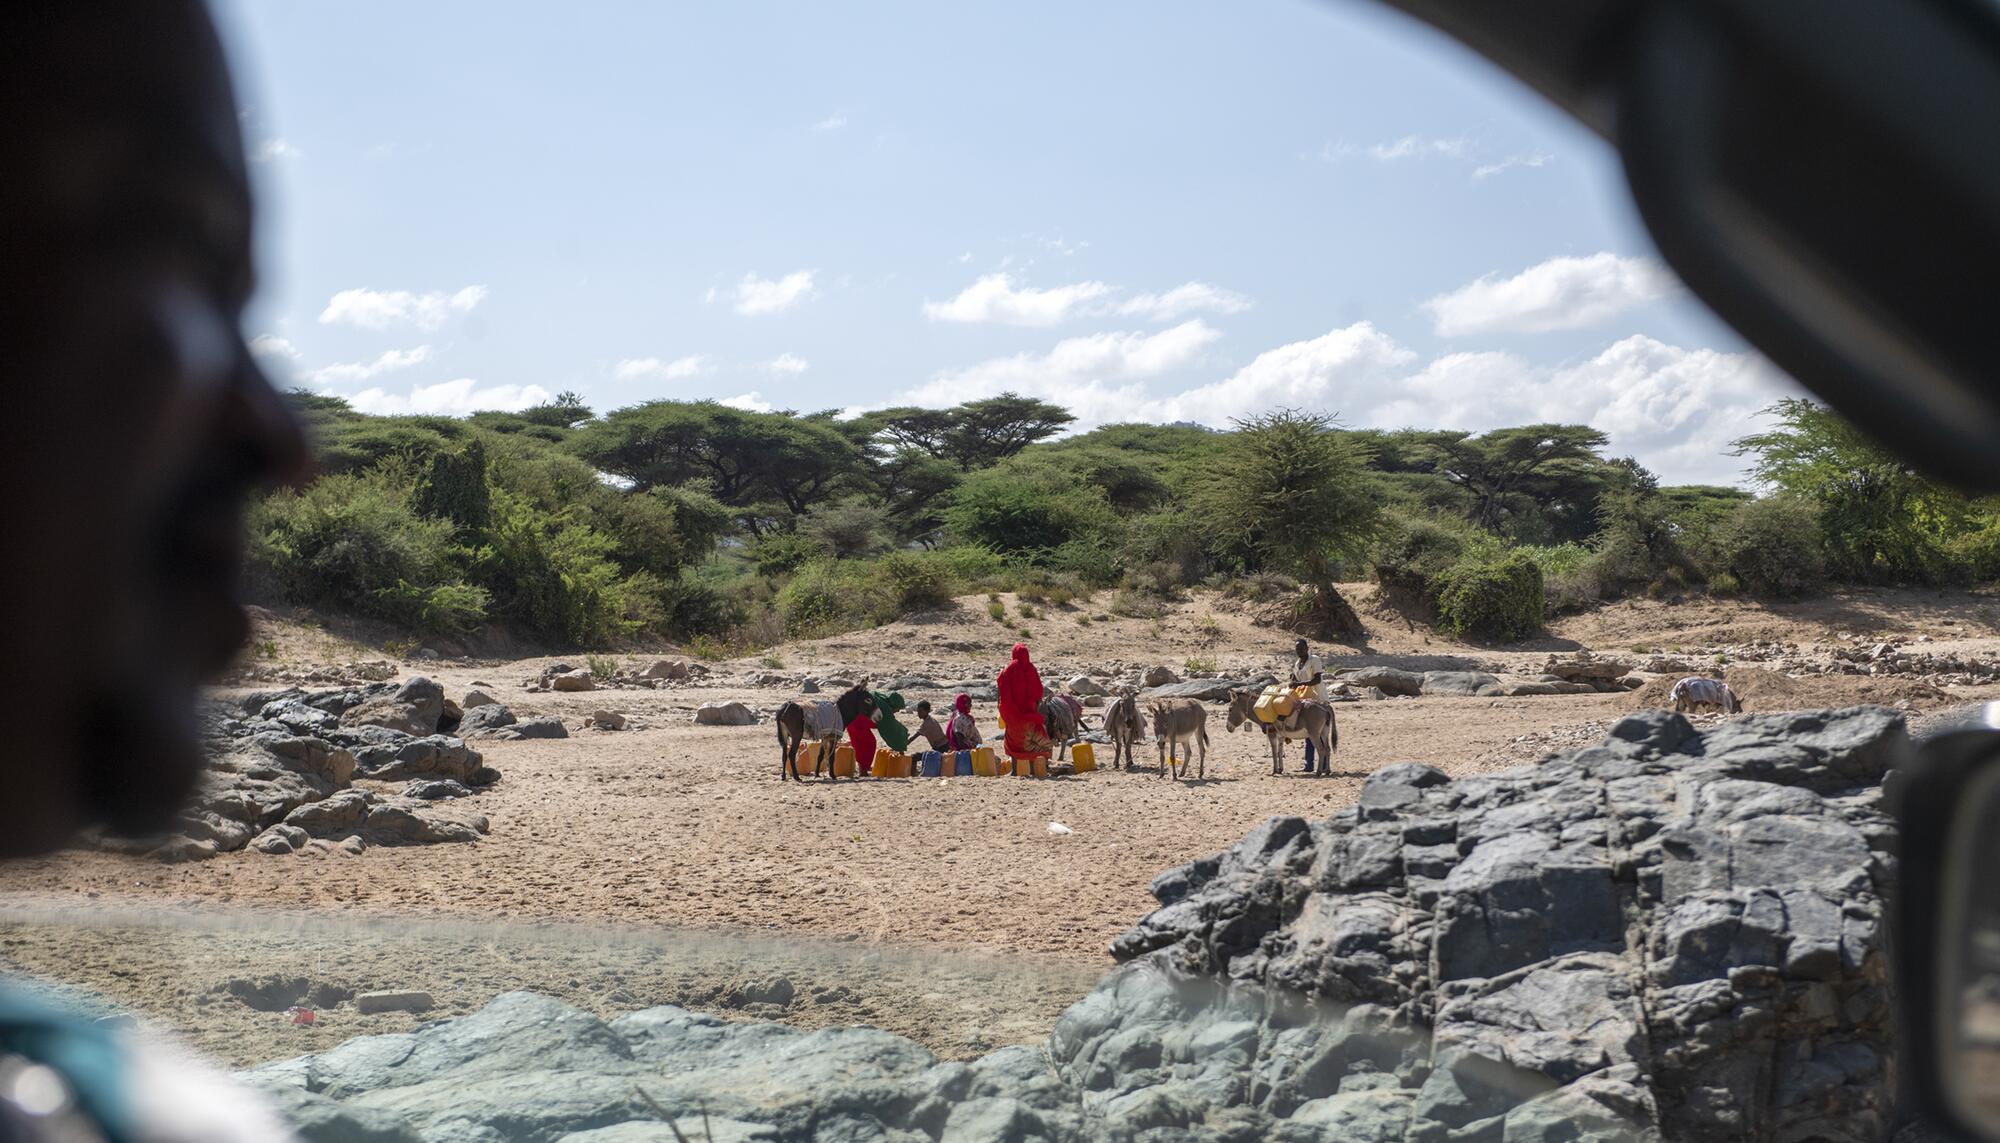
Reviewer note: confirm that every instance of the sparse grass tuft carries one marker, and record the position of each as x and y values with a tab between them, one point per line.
996	609
771	662
1199	666
602	666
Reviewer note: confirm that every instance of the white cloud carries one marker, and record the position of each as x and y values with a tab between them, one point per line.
653	368
751	402
1407	147
1488	170
995	298
347	373
1332	372
756	295
1184	299
451	398
965	257
832	122
266	345
787	364
1674	409
380	309
274	150
1561	293
1093	376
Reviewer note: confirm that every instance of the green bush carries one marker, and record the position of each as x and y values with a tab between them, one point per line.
1026	515
1557	559
1492	599
452	486
782	553
352	541
1773	547
1414	551
815	600
552	576
914	582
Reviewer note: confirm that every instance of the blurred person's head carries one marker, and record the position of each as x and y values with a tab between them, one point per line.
139	421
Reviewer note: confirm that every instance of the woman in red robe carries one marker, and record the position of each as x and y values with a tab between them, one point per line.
1020	697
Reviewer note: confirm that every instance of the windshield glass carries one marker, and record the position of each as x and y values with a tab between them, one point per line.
983	573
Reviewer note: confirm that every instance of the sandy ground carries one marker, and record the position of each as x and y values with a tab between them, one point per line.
667	863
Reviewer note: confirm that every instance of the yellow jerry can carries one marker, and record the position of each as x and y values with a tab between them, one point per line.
1084	756
892	764
984	764
1275	703
843	762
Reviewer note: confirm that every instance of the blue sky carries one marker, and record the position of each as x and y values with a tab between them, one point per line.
1146	211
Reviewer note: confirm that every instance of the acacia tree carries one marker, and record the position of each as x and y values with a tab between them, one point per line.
1293	493
771	467
1511	470
1882	519
975	435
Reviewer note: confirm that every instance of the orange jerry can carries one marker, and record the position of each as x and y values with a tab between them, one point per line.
1038	766
984	764
892	764
843	762
1084	756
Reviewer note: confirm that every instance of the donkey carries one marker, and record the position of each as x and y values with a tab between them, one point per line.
1311	720
1181	722
823	722
1695	691
1125	727
1062	717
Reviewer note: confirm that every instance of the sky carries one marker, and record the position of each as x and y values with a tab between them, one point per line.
1156	210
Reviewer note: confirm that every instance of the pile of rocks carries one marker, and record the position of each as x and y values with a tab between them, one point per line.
1937	668
660	674
282	766
1667	934
371	671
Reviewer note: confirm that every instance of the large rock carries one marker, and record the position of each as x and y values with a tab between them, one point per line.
1084	686
724	714
1207	690
1159	676
671	670
433	756
485	717
1584	667
1462	684
1668	935
540	726
579	679
413	708
1388	680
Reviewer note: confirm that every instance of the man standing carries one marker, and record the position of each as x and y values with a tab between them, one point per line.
1308	677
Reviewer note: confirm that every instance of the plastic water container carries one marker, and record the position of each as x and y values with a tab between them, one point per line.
1084	755
961	764
933	764
1275	703
843	762
892	764
984	763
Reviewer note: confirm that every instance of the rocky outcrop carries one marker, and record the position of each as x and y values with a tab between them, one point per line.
282	766
724	714
1667	935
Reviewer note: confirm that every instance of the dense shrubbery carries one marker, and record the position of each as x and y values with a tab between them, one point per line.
677	519
1773	548
1499	599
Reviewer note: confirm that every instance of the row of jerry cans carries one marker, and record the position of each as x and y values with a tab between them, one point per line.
980	762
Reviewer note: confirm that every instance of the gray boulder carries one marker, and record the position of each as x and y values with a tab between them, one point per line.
1206	690
476	698
540	726
579	679
1388	680
484	718
412	708
671	670
434	756
1584	667
724	714
1084	686
1461	684
1159	676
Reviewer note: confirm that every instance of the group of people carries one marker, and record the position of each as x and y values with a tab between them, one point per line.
1020	691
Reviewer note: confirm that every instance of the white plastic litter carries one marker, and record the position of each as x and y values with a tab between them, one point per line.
1059	829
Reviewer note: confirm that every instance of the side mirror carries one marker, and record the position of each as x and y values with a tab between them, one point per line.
1820	172
1947	910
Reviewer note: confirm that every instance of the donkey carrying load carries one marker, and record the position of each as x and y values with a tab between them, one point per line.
1062	717
823	723
1694	692
1309	719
